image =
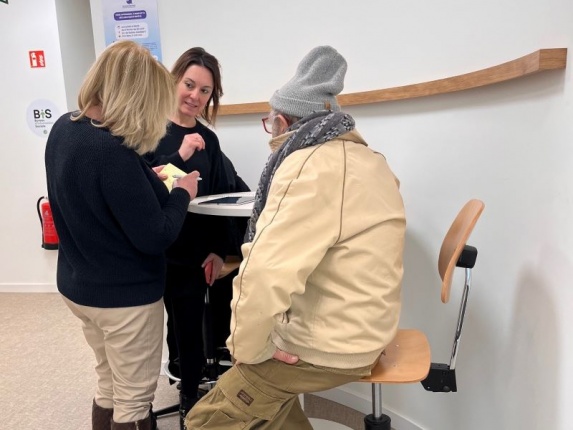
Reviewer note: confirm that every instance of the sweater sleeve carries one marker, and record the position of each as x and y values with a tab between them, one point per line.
128	189
299	223
220	239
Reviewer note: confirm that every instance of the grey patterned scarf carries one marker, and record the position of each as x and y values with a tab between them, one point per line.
313	129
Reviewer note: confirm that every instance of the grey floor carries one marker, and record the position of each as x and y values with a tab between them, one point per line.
46	371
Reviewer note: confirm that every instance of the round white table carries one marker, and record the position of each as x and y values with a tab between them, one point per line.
200	205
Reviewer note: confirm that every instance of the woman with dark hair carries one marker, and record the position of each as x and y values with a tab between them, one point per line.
196	258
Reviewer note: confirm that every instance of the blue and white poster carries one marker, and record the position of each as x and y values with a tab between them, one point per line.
135	20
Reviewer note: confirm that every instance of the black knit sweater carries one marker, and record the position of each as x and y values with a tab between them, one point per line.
114	217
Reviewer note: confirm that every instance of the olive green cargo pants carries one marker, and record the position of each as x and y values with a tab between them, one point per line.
264	396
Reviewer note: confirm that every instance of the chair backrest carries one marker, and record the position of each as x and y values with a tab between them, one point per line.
455	241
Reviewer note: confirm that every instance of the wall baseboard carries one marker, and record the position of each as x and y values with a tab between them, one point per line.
363	403
28	288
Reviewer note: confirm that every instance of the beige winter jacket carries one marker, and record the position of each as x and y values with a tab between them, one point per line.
321	278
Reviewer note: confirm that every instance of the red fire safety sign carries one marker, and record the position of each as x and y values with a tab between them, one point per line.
37	59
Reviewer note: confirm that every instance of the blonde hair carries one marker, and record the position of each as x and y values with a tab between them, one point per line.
135	92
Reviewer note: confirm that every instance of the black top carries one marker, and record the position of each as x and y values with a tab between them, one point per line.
113	216
201	234
237	225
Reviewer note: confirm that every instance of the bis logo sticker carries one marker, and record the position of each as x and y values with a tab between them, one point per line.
41	116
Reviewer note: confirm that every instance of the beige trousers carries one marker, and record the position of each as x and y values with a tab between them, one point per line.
264	396
127	343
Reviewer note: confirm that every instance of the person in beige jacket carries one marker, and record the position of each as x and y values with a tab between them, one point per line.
317	296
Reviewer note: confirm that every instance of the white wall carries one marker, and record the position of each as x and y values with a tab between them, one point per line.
76	43
26	26
509	145
34	26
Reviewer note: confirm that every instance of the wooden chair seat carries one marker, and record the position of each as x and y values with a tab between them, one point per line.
405	360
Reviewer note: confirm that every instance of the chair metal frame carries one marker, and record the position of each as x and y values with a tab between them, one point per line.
407	358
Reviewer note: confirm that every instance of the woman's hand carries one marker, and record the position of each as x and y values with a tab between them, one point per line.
188	183
158	170
191	143
212	265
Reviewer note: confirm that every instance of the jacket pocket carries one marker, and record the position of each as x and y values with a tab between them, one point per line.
220	420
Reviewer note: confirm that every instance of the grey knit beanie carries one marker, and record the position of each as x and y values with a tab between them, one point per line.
318	79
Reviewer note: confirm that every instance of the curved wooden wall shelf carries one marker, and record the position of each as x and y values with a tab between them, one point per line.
538	61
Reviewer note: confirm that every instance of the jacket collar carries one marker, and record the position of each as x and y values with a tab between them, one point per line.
353	136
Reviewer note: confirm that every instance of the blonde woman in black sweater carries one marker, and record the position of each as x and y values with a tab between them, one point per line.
115	218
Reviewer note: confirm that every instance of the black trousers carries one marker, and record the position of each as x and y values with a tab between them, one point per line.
220	295
185	304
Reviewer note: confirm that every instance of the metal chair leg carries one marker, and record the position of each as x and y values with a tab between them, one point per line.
377	420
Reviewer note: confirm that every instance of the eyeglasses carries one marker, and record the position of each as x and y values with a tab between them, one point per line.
268	124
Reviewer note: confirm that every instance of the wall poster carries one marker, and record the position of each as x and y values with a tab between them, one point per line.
135	20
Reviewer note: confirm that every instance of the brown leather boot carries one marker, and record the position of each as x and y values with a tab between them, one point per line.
101	417
149	423
144	424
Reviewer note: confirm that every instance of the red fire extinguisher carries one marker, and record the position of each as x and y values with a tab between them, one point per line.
49	235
